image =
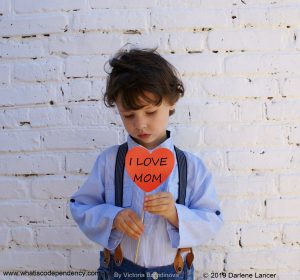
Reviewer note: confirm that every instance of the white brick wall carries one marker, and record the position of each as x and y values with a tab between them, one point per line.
240	63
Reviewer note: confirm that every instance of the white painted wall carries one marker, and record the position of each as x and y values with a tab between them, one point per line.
240	63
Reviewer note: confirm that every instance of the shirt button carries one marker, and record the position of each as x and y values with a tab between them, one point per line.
154	275
218	212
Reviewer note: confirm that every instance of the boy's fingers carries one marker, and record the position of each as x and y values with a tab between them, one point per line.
128	227
159	201
137	220
127	222
133	227
157	195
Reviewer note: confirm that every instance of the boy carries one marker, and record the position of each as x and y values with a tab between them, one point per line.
145	89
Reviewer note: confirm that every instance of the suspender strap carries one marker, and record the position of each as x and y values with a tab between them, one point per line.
119	174
182	174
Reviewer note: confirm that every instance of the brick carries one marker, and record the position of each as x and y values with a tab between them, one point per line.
174	18
180	3
290	87
36	259
226	3
294	135
11	141
157	40
23	236
39	70
33	25
36	6
193	89
196	64
187	42
80	162
250	39
283	15
94	114
289	184
12	118
98	88
241	87
13	188
188	137
78	138
211	112
5	7
77	90
283	208
247	210
85	44
242	136
4	74
288	275
211	260
48	116
30	164
213	159
131	19
84	259
261	235
23	95
226	237
34	212
182	112
291	233
263	64
251	111
90	66
54	187
246	186
95	4
268	16
5	236
26	48
295	159
60	236
255	160
283	110
267	259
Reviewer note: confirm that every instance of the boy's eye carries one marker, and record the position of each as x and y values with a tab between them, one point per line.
127	116
151	113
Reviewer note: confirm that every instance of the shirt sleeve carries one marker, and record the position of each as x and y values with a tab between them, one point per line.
90	211
201	218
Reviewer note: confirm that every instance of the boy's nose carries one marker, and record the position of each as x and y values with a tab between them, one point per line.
140	124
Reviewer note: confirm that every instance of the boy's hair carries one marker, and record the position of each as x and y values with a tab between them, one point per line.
138	70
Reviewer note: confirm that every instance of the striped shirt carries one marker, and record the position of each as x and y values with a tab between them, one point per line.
92	207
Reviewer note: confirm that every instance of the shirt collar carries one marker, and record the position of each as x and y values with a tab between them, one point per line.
168	143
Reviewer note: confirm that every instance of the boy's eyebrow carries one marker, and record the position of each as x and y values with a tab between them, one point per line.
150	106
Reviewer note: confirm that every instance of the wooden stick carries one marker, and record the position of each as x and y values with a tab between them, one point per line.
138	245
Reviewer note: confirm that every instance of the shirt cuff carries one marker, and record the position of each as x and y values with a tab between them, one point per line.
114	239
115	236
174	231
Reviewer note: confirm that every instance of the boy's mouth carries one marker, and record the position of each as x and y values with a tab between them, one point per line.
144	135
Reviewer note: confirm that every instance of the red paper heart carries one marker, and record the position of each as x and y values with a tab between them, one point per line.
149	170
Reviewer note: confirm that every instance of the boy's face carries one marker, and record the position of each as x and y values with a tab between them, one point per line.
147	125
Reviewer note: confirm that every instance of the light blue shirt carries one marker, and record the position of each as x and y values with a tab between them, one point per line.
93	209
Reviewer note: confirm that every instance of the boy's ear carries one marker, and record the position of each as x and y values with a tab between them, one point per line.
172	110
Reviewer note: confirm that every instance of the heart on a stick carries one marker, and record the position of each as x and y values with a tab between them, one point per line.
149	170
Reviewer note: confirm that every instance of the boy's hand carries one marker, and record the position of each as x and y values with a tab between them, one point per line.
128	222
162	204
